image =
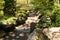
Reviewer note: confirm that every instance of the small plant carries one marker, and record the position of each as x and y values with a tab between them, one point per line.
45	21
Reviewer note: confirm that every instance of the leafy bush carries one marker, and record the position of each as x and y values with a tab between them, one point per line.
45	21
56	18
50	10
8	13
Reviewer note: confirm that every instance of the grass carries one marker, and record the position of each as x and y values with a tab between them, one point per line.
5	18
8	20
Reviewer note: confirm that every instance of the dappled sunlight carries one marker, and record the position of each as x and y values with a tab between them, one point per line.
16	35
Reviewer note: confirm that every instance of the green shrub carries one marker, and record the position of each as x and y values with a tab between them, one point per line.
56	18
49	8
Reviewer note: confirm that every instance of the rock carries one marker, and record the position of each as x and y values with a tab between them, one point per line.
52	33
7	27
37	34
45	34
21	20
33	36
32	27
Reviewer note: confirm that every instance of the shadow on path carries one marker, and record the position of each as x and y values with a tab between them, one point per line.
17	35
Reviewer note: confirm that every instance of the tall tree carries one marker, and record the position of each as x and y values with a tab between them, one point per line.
9	7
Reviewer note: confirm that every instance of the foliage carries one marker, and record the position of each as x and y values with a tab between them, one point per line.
45	21
48	8
43	5
8	13
2	4
10	10
56	18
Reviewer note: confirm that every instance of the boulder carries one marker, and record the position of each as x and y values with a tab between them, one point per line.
45	34
52	33
37	34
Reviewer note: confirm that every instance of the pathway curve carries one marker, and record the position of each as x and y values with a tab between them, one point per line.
21	32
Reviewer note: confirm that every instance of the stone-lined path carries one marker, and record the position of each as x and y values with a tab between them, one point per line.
21	32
